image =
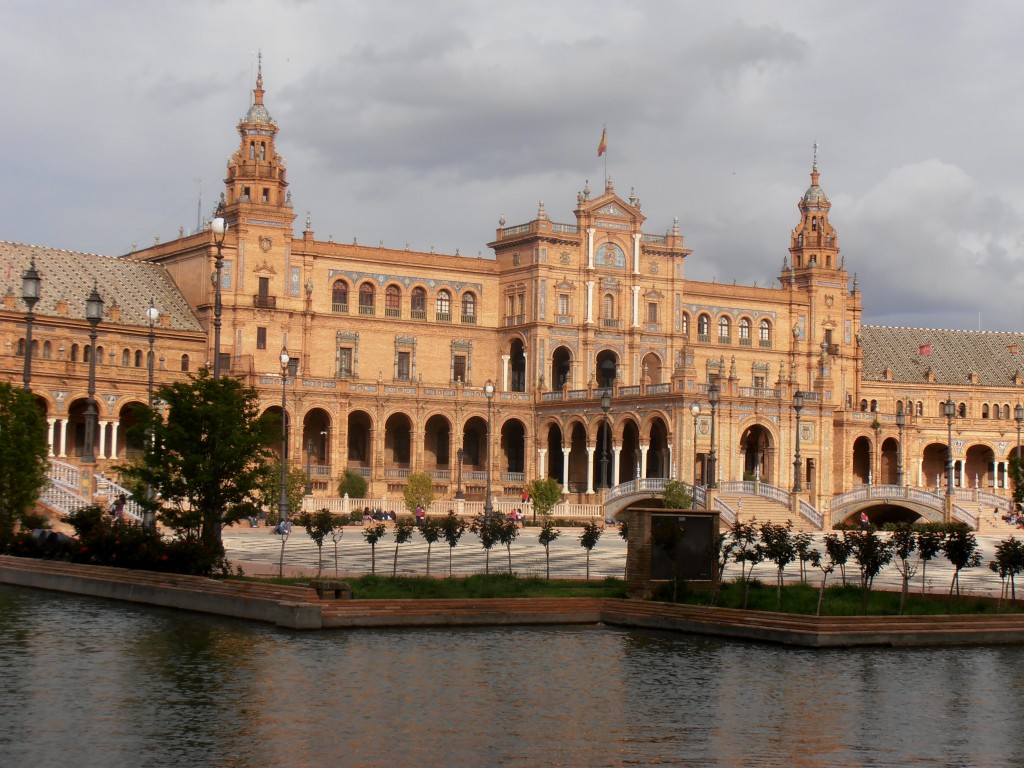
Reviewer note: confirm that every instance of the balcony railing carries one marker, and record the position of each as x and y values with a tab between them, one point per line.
392	311
745	341
515	319
418	314
443	317
340	308
468	319
367	310
704	337
264	302
611	322
725	339
765	343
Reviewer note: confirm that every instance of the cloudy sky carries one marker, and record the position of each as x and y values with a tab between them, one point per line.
422	122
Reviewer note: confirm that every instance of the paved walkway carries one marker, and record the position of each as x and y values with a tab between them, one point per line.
257	551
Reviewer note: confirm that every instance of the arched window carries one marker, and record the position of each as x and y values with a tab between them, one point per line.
74	353
984	410
443	306
21	348
99	355
263	150
252	150
704	327
419	303
686	323
366	299
138	358
745	326
184	362
339	296
724	330
874	406
919	409
864	405
126	358
393	301
1006	411
608	306
765	331
962	411
46	350
469	308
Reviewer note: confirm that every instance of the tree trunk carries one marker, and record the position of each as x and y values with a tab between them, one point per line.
394	563
547	561
373	558
428	558
280	562
588	565
509	548
319	559
905	590
778	590
821	592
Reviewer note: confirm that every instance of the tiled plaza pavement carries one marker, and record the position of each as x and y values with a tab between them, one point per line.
257	551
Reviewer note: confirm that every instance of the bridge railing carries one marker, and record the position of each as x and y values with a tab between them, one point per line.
756	488
725	512
811	514
961	514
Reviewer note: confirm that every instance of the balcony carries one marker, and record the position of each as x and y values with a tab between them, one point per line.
264	302
369	311
725	340
469	319
418	314
765	344
515	319
392	311
745	341
443	317
341	309
611	322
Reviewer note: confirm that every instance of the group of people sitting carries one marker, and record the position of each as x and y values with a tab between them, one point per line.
380	515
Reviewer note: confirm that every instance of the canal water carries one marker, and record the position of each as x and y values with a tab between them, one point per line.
93	683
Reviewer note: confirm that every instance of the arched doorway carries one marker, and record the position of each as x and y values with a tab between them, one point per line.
607	368
132	434
978	467
651	368
437	448
360	429
758	453
397	443
315	432
890	462
862	461
933	465
561	365
657	451
555	460
629	456
513	451
517	366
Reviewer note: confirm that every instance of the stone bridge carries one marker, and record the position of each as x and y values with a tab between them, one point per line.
931	506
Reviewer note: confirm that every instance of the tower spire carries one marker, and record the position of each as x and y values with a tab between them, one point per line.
258	91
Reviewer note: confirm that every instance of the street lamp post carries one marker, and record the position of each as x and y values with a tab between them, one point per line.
901	422
606	406
949	411
714	394
489	393
282	506
310	448
219	227
152	315
1018	416
461	454
94	314
30	285
798	405
695	410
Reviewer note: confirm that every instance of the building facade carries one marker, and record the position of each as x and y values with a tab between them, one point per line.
603	357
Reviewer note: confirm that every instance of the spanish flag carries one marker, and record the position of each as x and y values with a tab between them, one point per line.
603	146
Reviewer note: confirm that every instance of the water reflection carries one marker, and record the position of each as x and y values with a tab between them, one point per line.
91	683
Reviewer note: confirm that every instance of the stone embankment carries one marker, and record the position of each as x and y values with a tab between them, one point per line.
297	607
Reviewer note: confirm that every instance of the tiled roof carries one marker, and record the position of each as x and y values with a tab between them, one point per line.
952	356
69	275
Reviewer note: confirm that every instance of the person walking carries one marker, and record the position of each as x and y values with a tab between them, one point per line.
117	509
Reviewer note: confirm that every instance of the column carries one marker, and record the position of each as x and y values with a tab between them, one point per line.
636	305
113	438
526	373
616	450
994	475
565	467
920	472
504	373
636	253
542	457
644	447
590	469
102	452
63	439
671	463
52	423
590	247
590	301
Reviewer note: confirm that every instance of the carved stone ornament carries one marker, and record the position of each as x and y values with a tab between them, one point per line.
265	243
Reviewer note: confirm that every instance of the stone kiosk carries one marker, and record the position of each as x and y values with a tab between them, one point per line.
648	564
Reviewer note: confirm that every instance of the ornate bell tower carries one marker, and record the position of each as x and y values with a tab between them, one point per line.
814	242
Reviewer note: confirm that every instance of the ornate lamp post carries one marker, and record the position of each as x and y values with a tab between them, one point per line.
1018	416
282	506
714	395
901	422
695	410
219	227
310	448
949	411
94	314
798	405
489	393
458	490
152	315
30	285
606	406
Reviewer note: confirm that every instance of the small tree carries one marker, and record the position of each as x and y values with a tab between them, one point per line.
318	525
270	488
431	531
676	495
353	485
838	550
508	531
404	527
929	544
904	542
23	452
488	530
723	547
1016	473
777	544
871	555
960	546
747	551
545	492
624	535
452	528
548	533
419	491
588	539
1008	563
826	567
373	533
804	543
337	534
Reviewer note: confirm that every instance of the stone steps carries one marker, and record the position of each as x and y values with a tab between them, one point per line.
760	509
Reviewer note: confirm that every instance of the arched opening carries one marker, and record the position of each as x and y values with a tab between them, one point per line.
517	366
657	451
437	447
862	461
316	426
513	452
933	465
882	514
578	459
629	456
359	444
272	416
758	454
561	365
652	368
978	469
474	460
607	368
603	456
890	461
555	457
397	443
131	431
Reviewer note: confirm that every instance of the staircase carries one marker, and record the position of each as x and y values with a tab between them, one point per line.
63	494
